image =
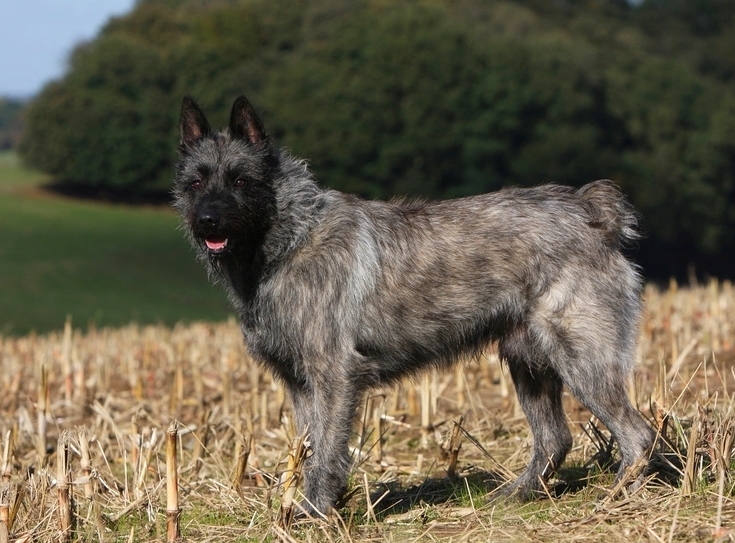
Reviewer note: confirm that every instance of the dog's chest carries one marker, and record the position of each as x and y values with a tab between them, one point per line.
273	344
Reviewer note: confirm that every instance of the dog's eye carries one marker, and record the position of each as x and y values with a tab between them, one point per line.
197	184
240	182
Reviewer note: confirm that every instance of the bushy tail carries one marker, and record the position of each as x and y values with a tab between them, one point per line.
611	212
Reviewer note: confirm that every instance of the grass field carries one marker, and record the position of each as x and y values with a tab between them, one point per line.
106	397
107	264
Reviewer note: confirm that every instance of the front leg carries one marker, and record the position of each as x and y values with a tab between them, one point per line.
326	410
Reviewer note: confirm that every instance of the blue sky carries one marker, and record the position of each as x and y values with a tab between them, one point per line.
36	37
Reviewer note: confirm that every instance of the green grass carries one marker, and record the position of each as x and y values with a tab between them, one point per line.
107	264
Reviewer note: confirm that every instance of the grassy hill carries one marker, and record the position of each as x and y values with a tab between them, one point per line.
107	264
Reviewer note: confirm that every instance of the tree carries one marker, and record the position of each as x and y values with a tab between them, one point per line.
108	123
426	98
11	122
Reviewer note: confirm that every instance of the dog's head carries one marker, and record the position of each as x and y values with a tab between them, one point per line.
224	181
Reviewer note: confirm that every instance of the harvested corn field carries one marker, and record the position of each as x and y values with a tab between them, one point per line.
163	434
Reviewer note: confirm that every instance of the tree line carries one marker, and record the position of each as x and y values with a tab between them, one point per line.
429	98
11	122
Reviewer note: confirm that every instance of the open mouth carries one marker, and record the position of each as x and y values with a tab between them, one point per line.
216	245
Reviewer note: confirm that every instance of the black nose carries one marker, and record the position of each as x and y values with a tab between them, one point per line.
208	219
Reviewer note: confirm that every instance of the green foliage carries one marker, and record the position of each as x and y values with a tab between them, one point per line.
109	122
11	123
429	97
389	86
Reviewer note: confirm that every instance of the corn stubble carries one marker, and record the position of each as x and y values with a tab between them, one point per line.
154	433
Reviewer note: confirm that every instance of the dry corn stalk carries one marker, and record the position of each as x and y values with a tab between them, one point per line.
137	443
378	429
5	522
7	453
66	361
291	477
200	441
85	464
243	444
425	410
172	485
453	446
4	512
149	438
88	481
460	385
689	482
226	380
63	487
264	410
42	411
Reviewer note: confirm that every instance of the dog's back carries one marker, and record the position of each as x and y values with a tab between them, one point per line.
432	281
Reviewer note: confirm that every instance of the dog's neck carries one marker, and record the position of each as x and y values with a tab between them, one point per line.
299	202
298	206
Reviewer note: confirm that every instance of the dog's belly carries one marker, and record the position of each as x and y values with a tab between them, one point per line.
394	344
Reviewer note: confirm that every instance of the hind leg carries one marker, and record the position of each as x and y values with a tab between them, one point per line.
593	353
586	328
539	393
603	390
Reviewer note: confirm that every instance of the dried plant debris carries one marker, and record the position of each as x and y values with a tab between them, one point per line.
154	433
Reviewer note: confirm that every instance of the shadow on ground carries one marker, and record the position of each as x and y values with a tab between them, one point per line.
473	485
434	491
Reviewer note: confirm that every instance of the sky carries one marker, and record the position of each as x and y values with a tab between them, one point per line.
36	37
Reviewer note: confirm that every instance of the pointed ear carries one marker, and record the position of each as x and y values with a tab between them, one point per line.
245	124
193	125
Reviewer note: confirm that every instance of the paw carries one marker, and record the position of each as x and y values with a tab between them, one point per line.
525	489
305	511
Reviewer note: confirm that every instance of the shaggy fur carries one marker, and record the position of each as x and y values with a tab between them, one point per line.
337	294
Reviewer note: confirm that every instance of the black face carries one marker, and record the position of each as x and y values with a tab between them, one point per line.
224	183
219	216
227	210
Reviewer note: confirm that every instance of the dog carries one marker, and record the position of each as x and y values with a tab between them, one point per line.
336	294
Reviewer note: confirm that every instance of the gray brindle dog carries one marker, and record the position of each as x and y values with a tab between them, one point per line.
337	295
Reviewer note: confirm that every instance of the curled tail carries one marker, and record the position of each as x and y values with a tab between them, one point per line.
610	212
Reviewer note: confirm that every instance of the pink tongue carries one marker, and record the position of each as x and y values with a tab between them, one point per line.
215	244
